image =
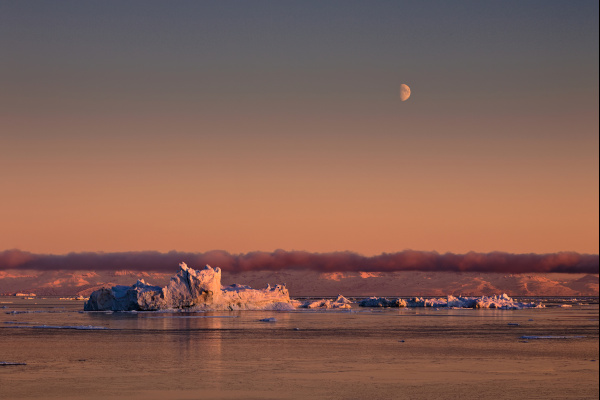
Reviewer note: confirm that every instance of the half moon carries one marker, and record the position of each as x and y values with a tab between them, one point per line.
404	92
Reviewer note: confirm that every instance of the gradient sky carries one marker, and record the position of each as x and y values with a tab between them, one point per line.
242	126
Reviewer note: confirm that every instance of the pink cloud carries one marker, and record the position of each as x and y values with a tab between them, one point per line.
408	260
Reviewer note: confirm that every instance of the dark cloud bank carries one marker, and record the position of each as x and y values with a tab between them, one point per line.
409	260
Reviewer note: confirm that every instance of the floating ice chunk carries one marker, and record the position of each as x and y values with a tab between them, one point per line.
339	302
193	316
73	298
382	302
268	320
551	337
314	304
80	327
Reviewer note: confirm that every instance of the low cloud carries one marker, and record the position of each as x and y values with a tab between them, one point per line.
408	260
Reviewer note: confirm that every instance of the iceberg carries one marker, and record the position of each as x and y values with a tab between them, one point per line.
190	289
501	302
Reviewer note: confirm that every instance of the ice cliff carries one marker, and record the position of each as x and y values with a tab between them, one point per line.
189	289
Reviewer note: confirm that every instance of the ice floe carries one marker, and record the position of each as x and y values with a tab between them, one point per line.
14	312
78	327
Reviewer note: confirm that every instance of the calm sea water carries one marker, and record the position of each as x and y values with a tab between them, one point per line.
355	354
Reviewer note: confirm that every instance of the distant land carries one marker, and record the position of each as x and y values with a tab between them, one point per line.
312	283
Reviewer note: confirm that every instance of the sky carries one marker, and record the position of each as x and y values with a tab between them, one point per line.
254	126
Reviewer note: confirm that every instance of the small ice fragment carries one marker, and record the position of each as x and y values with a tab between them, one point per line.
268	320
513	324
296	329
401	341
530	319
80	327
551	337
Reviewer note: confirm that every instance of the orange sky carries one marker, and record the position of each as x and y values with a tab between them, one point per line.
320	185
267	135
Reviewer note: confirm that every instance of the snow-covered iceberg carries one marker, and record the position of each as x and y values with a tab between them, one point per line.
189	289
502	301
